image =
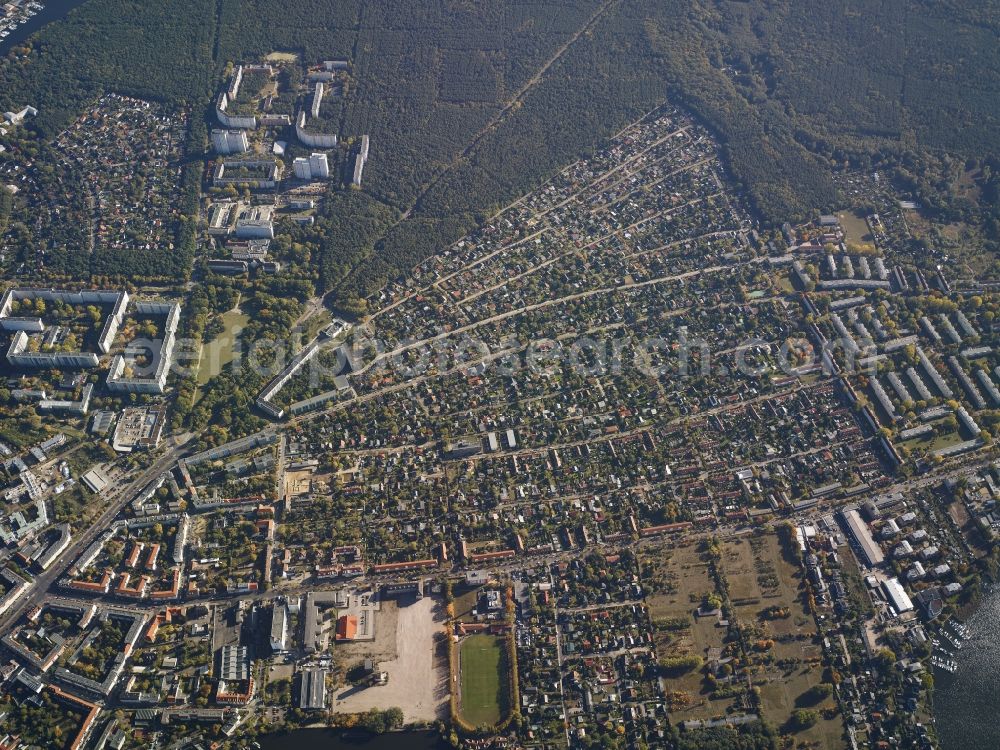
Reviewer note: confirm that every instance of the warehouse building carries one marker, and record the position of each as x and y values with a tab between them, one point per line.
869	549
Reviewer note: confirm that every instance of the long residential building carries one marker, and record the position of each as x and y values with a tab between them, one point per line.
360	161
19	356
119	300
987	383
933	374
966	382
120	380
918	384
311	138
16	588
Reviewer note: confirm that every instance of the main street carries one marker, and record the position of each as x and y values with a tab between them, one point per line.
116	499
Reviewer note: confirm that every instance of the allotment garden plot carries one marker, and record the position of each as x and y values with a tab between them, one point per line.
779	635
690	638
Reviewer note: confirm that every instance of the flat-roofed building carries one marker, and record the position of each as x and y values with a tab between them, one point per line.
316	601
279	628
870	551
230	141
319	166
95	480
896	595
234	663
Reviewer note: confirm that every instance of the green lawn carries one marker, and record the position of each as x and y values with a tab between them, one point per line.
480	679
854	225
220	351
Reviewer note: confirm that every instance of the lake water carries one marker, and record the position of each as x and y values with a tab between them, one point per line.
967	703
53	9
337	739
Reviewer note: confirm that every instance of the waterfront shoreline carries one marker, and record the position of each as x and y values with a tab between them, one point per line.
341	738
960	700
53	11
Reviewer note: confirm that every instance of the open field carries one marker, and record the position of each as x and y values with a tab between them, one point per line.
766	591
418	673
681	579
465	601
383	647
480	679
781	697
855	227
932	441
220	351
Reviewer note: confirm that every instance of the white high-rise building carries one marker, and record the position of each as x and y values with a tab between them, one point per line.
360	160
319	166
230	141
301	168
317	102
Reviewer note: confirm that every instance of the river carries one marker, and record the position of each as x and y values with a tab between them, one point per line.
967	703
336	739
54	9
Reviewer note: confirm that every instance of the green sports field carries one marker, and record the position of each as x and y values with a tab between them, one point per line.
481	696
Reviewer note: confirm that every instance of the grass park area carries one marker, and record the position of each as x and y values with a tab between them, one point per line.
855	227
680	580
481	683
220	351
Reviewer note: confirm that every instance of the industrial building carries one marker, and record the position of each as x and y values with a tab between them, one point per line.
234	663
256	223
316	602
870	550
312	692
897	596
279	628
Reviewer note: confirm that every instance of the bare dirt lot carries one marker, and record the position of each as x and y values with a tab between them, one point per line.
298	483
418	675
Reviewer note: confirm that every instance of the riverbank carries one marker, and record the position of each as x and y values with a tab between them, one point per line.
966	702
53	10
347	739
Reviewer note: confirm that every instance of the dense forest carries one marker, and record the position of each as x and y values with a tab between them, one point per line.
6	206
470	104
159	51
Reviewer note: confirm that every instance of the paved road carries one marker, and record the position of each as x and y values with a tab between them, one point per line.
117	499
121	496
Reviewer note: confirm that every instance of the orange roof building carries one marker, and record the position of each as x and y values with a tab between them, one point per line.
401	566
91	709
347	628
133	556
151	560
93	587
